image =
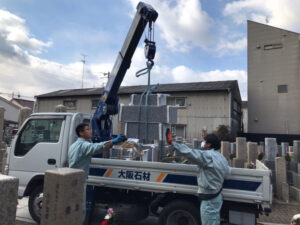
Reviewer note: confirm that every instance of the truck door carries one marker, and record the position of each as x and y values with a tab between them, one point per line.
38	146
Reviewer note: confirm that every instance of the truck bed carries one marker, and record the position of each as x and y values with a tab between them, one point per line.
244	185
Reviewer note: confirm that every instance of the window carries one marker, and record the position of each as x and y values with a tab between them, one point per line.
70	104
179	101
95	103
36	131
272	46
282	88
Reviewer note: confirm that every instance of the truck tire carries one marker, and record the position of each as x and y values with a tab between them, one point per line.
180	212
35	203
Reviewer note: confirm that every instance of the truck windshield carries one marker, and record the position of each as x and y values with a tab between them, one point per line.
35	131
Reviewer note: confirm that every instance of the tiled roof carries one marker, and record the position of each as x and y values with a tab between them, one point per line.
162	88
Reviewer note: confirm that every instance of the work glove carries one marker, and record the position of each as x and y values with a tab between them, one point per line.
119	139
169	136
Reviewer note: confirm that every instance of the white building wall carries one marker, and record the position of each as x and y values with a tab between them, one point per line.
268	110
207	109
11	112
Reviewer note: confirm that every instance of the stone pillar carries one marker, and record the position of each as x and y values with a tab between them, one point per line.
232	148
241	150
8	199
296	148
63	196
284	148
2	110
285	192
2	160
60	108
280	171
23	115
225	149
252	152
270	148
238	163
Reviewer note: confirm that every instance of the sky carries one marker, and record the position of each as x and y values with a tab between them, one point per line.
42	42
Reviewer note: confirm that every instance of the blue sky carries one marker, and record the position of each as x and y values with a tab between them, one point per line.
197	40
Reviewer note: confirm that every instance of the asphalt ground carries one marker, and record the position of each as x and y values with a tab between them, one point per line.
281	215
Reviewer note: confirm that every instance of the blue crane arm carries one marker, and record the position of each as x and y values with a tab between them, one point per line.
108	104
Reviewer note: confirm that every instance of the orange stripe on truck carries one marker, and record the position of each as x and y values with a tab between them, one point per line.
160	177
108	173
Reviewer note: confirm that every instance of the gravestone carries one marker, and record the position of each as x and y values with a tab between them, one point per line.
270	148
63	196
8	199
225	149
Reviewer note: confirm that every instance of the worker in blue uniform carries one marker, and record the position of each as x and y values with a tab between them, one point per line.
81	151
213	168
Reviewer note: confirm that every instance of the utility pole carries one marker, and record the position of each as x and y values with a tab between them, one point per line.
105	74
83	63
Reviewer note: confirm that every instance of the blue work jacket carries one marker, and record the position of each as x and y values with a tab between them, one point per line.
212	167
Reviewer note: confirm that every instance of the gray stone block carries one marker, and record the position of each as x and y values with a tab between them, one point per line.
292	166
285	194
156	114
63	196
2	111
270	148
280	172
296	179
241	148
8	199
156	131
238	163
270	164
2	159
284	148
278	153
295	193
225	149
153	99
296	148
289	177
232	148
24	114
252	152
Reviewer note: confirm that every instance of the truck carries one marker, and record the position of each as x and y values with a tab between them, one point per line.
167	190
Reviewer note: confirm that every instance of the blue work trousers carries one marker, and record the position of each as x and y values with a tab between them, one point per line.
210	210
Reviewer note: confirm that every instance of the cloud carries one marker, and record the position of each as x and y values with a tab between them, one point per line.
183	24
14	31
22	71
279	13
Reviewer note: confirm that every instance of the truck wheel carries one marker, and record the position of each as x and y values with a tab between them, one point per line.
180	212
35	203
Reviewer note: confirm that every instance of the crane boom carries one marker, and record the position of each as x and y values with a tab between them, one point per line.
108	104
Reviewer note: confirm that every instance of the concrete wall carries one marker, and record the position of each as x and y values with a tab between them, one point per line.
268	110
203	109
11	112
